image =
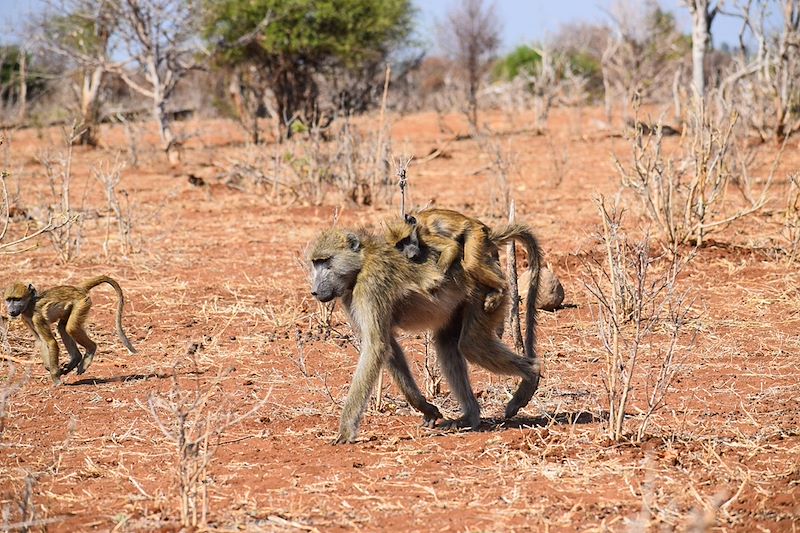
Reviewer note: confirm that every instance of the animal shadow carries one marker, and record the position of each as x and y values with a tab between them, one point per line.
559	418
129	377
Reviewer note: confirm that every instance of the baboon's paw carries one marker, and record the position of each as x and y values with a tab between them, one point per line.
429	420
347	434
430	415
85	363
459	423
342	439
493	301
522	397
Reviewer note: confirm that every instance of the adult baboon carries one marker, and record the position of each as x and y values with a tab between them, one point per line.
69	306
383	290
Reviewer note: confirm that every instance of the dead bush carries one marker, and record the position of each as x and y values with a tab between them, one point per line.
791	221
19	512
635	305
67	236
687	195
19	244
193	422
341	161
763	84
643	57
122	212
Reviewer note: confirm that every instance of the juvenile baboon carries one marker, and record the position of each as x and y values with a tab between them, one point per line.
69	306
458	239
382	290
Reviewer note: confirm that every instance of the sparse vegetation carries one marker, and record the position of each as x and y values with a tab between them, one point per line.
687	196
632	302
669	375
193	422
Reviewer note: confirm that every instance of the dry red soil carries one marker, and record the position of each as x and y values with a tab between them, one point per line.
219	303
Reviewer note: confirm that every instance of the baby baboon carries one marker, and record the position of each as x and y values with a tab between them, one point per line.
458	239
69	306
382	290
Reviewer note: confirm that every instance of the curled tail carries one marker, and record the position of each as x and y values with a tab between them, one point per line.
523	234
91	283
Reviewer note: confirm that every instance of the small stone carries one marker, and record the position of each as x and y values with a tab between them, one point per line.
551	292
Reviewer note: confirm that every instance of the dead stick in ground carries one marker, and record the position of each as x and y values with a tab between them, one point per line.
379	143
513	286
402	183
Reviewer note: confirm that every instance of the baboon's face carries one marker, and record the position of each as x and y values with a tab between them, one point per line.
324	283
336	261
17	298
411	250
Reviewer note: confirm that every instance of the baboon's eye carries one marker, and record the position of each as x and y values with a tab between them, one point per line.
321	261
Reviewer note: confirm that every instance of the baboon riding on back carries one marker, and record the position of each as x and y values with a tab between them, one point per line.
384	287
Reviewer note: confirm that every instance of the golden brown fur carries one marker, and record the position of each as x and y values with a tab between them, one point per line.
383	290
69	306
458	239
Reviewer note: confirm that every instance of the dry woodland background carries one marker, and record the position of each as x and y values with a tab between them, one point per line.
189	152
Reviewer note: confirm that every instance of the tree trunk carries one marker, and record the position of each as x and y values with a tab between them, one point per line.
159	99
605	68
472	92
245	108
701	41
89	92
22	101
676	97
164	129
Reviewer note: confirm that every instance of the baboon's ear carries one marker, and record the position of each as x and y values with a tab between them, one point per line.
353	242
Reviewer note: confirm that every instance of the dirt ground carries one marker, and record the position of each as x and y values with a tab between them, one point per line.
219	305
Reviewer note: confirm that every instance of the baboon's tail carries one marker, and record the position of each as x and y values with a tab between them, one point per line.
523	233
91	283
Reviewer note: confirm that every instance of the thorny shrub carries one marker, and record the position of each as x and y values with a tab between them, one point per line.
686	195
193	421
636	304
307	168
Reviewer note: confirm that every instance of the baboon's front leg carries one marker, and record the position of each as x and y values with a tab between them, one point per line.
49	349
373	350
398	366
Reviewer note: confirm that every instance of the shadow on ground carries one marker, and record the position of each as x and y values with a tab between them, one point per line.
563	419
130	377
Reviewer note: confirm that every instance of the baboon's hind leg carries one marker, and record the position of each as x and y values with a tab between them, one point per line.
49	349
481	347
72	348
75	329
476	252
